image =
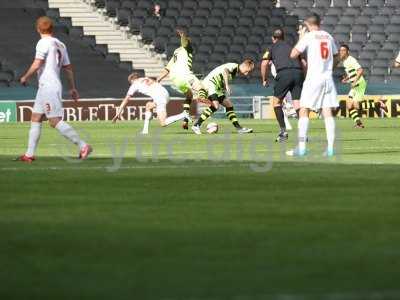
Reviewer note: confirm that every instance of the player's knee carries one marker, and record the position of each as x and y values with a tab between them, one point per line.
350	104
188	96
162	122
229	108
327	112
214	106
149	105
303	112
276	101
53	122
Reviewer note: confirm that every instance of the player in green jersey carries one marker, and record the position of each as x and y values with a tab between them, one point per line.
180	70
217	86
354	76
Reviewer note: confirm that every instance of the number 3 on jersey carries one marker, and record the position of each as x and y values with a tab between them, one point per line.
324	50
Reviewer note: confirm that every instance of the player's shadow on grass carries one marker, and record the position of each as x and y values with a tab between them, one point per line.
107	165
383	127
7	138
357	139
374	152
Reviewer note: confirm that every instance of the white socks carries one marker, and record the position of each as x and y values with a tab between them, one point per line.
147	117
303	128
69	133
287	122
34	136
175	118
330	131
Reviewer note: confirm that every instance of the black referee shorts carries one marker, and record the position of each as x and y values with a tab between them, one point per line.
289	80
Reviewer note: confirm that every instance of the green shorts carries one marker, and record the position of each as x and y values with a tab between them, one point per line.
186	83
180	85
357	93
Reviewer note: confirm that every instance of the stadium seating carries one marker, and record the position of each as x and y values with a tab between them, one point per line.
18	40
226	30
221	30
370	27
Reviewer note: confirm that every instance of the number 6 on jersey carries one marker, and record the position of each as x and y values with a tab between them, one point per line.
324	50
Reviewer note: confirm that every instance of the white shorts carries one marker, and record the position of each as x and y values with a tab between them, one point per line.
161	101
317	94
49	101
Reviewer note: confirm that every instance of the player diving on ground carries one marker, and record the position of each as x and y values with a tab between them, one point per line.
180	70
217	86
160	98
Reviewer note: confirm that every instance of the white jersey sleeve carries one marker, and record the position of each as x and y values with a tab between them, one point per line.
42	49
303	44
133	89
65	58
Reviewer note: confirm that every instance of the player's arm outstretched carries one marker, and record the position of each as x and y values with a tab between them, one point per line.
120	111
165	71
185	40
37	63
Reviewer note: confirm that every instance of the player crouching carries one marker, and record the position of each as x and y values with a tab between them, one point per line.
217	86
51	57
160	98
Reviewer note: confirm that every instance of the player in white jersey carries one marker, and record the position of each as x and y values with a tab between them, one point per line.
397	61
160	98
51	57
319	90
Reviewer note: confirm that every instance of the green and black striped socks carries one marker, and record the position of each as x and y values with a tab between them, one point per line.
205	115
230	114
353	113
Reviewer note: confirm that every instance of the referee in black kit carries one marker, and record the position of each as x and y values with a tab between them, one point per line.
289	77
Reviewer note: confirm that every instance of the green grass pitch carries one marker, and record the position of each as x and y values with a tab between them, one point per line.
178	216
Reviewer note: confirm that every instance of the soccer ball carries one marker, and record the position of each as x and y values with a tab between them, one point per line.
212	128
